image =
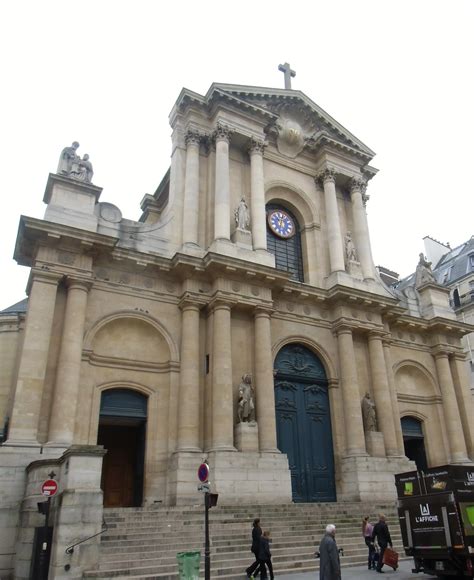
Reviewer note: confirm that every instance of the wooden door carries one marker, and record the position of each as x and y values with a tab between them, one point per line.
119	467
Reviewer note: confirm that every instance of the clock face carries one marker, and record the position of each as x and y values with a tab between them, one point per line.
281	223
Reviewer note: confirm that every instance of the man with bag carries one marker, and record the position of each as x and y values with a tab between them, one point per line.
381	533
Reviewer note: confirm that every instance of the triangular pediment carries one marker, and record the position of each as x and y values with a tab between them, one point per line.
290	106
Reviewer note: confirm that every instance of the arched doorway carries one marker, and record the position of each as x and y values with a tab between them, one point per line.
122	429
303	421
414	441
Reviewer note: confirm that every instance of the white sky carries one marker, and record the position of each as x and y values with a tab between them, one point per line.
397	74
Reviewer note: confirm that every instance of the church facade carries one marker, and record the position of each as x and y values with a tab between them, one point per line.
240	321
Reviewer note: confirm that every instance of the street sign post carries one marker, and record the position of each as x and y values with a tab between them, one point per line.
203	473
49	488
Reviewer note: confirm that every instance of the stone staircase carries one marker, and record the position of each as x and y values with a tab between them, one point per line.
142	543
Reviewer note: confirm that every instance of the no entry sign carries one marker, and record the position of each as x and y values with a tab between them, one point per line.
203	472
49	487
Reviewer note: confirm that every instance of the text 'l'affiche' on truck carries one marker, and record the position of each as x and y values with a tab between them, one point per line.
436	514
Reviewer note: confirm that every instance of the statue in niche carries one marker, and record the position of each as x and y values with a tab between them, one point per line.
242	215
351	253
246	406
368	414
72	166
423	273
67	158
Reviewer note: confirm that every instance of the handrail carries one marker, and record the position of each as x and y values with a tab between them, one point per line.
70	549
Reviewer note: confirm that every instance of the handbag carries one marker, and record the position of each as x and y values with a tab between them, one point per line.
390	558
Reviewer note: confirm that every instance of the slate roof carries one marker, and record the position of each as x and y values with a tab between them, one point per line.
455	264
17	308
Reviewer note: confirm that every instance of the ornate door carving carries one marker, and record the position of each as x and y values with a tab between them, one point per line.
304	423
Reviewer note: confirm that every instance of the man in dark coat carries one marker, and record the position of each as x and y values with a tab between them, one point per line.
256	534
381	533
329	564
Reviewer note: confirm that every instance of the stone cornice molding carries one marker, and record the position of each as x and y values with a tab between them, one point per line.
328	174
333	383
419	400
256	146
222	132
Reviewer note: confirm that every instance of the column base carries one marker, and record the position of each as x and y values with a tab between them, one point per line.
374	441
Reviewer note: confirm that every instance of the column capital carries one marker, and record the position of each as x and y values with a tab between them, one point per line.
192	137
263	311
44	276
358	184
342	328
327	174
440	352
222	132
72	282
256	146
189	303
376	335
220	303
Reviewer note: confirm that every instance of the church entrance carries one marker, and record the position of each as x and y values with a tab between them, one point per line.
304	423
122	430
414	441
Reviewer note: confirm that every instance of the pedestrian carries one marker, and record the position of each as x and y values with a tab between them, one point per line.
367	529
329	563
265	556
381	533
256	535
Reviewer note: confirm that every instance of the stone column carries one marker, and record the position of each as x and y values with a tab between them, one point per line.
393	395
459	368
32	369
382	396
188	408
353	423
457	445
222	194
336	254
191	189
361	228
222	392
63	412
257	195
265	392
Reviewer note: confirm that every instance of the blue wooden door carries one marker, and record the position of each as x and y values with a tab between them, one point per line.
304	423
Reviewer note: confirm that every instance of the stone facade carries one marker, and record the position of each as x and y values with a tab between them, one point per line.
175	308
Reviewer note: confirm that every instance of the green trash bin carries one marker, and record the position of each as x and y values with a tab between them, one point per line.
189	564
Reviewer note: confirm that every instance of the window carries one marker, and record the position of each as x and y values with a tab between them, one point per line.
287	250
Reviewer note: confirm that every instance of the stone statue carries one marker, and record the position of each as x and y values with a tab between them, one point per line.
242	215
351	253
71	165
82	169
67	158
423	272
368	414
246	408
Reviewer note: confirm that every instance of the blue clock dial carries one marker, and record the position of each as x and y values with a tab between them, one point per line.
281	223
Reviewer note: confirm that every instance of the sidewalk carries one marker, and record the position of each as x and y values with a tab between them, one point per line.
361	573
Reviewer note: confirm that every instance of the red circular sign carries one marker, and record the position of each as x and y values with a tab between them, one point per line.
49	487
203	472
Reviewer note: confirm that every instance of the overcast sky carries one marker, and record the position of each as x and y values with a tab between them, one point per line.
397	74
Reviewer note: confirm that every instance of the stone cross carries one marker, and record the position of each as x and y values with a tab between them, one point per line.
286	70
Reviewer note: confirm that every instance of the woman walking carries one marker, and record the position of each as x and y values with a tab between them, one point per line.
367	529
256	534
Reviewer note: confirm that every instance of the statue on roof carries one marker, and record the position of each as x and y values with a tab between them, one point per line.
423	274
71	165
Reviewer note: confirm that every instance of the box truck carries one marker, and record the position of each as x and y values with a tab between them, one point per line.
436	514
